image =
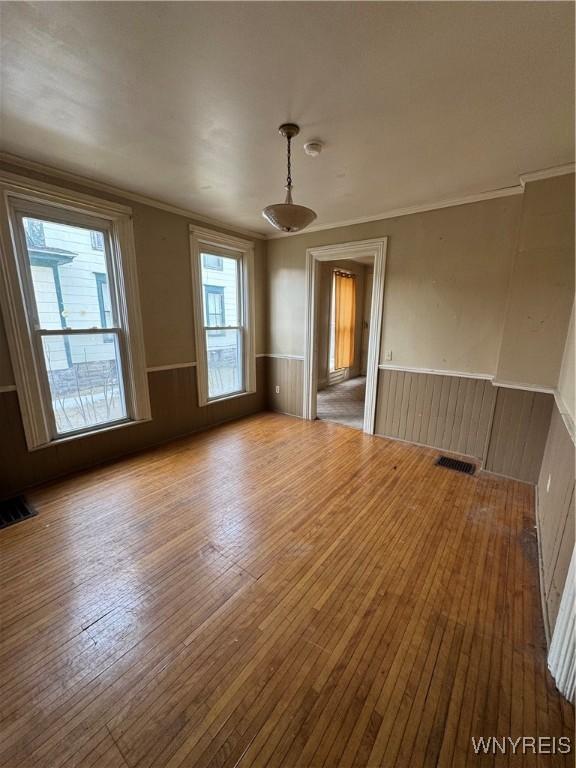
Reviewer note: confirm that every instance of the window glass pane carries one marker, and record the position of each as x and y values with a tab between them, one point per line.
225	283
85	380
212	262
224	353
69	275
215	307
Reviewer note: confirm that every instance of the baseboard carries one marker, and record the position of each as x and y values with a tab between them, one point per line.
476	460
284	413
507	477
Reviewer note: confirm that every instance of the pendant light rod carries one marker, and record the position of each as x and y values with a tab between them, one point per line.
289	130
286	216
289	158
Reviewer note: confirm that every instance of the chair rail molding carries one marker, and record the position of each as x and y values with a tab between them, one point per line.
362	248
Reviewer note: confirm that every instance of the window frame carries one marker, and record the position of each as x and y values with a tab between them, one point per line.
218	244
22	197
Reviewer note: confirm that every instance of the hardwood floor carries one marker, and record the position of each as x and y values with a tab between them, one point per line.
274	592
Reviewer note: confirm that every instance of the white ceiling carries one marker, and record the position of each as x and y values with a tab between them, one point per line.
416	102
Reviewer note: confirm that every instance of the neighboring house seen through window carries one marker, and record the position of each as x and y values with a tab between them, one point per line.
210	261
97	240
214	305
104	304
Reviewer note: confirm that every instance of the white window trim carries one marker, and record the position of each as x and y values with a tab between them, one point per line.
202	239
17	193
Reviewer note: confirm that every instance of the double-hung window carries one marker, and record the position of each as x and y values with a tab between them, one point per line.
222	270
71	309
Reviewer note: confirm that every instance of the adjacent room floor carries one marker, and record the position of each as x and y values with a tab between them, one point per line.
343	403
273	592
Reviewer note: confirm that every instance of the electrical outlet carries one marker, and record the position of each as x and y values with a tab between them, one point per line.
277	389
388	354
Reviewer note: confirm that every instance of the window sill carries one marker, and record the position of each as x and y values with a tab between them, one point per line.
222	399
90	433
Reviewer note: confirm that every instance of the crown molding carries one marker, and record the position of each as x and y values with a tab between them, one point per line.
56	173
409	210
110	189
547	173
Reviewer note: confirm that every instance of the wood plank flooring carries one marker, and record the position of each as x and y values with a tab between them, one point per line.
273	592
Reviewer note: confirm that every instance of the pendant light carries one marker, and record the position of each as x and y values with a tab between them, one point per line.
286	216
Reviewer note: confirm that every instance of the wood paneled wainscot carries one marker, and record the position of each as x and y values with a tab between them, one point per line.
285	374
519	432
555	515
449	412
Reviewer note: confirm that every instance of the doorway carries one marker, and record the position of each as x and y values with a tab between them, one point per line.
344	293
344	300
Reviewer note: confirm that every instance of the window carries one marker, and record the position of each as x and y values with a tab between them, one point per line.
223	315
72	315
223	341
342	322
214	305
210	261
35	233
96	240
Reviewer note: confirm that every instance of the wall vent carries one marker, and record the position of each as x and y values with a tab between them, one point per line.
456	464
14	511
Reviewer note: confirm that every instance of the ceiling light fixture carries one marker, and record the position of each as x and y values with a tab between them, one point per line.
286	216
313	148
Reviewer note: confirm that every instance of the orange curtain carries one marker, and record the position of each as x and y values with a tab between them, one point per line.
345	317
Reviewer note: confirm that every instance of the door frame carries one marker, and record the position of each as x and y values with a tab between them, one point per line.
361	248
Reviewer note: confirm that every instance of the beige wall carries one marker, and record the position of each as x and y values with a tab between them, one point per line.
542	286
447	280
567	377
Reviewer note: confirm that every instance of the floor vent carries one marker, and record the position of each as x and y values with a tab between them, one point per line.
456	464
14	511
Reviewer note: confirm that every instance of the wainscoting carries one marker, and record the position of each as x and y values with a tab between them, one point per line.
175	412
555	515
287	374
519	432
504	429
449	412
